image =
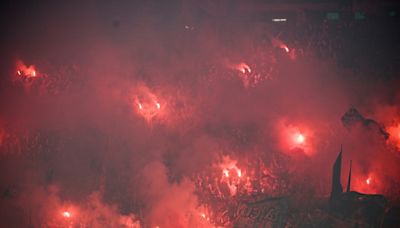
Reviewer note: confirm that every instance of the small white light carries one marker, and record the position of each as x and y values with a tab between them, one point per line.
279	19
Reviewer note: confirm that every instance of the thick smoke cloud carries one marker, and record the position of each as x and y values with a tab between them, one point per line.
134	101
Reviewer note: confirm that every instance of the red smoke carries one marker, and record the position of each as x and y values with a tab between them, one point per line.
157	116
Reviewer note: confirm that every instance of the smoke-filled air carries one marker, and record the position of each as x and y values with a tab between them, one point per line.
169	114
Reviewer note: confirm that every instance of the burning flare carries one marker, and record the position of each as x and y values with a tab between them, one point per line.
280	44
66	214
284	47
295	138
231	174
146	103
368	180
243	67
299	138
394	135
24	71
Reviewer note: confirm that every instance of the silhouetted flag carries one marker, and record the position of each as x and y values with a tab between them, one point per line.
336	185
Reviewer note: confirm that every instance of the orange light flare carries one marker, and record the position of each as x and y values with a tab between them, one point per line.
284	47
231	174
231	171
245	74
277	43
243	68
66	214
147	104
394	135
368	181
295	138
148	109
24	71
226	173
299	138
204	216
369	184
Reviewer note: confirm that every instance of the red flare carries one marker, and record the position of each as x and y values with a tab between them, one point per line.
147	104
299	138
66	214
243	67
26	71
368	180
284	47
394	135
295	138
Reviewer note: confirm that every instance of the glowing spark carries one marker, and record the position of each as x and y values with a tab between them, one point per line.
394	135
368	180
239	173
243	67
189	27
26	71
300	139
226	172
146	104
280	44
284	47
66	214
204	216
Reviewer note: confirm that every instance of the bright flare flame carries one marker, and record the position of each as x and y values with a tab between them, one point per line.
231	174
204	216
368	180
26	71
225	172
66	214
147	104
284	47
300	138
243	67
394	135
295	139
279	43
